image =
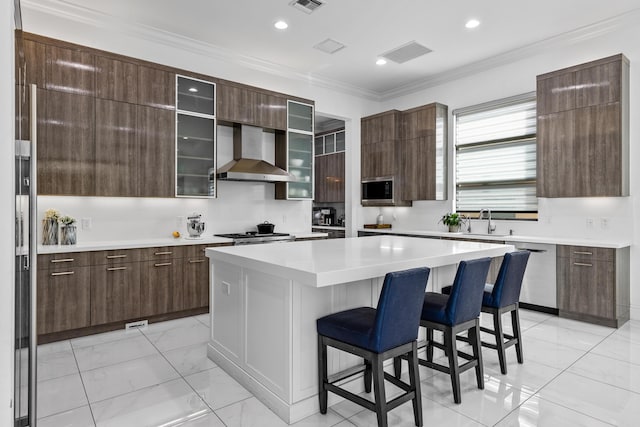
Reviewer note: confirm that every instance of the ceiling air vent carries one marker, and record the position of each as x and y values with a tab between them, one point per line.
307	6
406	52
329	46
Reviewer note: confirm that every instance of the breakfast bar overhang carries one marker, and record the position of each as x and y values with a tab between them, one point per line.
265	300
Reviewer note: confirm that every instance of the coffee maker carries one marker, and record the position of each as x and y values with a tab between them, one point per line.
324	216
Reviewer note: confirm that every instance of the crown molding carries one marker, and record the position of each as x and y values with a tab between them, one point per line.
565	39
87	16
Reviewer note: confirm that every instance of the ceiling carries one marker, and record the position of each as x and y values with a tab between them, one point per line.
368	29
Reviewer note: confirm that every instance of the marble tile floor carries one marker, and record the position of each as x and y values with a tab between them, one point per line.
575	374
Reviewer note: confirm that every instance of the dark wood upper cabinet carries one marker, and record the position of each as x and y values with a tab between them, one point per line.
116	149
583	130
415	156
381	127
156	152
599	84
329	178
555	93
66	149
156	88
556	153
236	104
419	122
70	70
35	58
271	111
116	80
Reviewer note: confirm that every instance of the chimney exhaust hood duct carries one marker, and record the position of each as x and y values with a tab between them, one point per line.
249	163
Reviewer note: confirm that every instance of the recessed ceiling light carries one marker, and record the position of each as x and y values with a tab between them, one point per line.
193	89
281	25
472	23
381	61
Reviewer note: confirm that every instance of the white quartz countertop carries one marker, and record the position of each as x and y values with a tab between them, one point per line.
330	262
149	243
554	240
327	227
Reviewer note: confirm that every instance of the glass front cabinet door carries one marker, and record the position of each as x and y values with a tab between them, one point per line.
300	150
195	138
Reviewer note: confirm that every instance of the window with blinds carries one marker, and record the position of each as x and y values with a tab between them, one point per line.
496	157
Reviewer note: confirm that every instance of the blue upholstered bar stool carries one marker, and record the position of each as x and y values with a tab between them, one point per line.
452	314
503	297
377	335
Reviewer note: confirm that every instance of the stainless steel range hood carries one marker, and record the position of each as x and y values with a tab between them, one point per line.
249	163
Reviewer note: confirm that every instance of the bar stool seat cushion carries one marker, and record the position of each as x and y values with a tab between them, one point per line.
350	326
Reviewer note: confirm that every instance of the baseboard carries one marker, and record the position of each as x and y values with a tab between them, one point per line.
540	308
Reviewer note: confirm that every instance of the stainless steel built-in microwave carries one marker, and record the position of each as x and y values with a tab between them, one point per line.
378	191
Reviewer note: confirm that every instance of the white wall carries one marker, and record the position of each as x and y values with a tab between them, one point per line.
7	213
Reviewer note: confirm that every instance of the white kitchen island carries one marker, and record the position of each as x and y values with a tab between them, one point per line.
265	300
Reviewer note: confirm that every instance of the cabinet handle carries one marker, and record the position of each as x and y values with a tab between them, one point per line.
582	253
193	261
116	268
115	256
163	253
63	273
163	264
583	264
62	260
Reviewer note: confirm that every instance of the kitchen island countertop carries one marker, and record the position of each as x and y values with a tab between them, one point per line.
336	261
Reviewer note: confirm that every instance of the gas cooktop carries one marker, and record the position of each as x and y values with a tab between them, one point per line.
253	237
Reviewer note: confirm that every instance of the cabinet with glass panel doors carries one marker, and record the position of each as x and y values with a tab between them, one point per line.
195	137
299	153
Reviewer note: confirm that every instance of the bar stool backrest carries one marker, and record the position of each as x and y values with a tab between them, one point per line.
465	300
506	290
399	307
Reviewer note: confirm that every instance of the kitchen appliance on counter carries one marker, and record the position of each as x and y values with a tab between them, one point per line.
252	238
195	226
324	216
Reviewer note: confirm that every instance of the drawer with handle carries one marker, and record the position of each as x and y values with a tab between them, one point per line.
115	256
586	253
63	260
164	252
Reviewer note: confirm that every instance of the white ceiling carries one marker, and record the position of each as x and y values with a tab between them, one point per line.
367	28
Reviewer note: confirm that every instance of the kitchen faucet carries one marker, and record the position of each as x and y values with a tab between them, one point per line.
486	214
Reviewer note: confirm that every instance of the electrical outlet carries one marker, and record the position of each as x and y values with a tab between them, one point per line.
284	219
589	222
86	223
604	223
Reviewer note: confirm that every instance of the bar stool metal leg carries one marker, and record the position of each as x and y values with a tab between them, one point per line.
499	335
414	381
474	335
378	391
451	350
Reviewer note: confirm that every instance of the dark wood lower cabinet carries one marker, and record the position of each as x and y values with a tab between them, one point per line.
195	282
115	292
593	284
63	299
83	293
161	288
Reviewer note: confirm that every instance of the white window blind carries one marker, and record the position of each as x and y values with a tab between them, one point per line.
496	156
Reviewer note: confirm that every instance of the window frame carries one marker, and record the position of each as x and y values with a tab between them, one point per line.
531	215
